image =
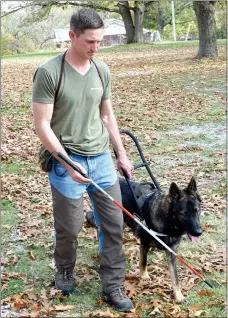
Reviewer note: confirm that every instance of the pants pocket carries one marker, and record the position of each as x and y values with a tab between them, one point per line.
59	169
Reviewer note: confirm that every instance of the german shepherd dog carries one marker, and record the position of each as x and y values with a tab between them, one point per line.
173	214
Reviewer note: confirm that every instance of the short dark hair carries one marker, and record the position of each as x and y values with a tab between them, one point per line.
85	19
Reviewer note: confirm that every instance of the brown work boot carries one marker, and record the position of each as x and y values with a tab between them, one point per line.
64	280
118	300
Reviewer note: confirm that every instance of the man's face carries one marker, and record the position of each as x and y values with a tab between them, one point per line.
87	43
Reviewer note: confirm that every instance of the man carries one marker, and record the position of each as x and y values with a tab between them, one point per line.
78	122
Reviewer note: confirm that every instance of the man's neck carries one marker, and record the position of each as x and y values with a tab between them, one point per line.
80	64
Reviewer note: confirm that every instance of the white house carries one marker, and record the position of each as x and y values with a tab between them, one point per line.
114	34
61	36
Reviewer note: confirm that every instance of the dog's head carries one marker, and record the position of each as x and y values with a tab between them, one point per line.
185	207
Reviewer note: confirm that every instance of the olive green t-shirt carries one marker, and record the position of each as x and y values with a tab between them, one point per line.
76	116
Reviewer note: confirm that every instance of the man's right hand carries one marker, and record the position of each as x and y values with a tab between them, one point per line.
76	176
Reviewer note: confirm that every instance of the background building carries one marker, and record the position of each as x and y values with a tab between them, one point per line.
114	34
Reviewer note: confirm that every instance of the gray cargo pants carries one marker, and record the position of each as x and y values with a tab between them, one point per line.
68	220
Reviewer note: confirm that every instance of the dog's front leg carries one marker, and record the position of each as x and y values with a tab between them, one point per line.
174	278
144	249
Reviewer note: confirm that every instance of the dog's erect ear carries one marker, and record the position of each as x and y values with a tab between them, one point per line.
192	188
174	191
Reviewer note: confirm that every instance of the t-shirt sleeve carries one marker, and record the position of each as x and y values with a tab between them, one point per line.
107	88
43	87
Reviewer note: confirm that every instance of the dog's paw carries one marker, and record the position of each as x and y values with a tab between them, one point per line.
145	277
179	297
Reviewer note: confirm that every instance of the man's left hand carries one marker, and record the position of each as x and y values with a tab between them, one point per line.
124	165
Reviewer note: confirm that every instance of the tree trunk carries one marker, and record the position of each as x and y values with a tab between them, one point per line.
161	30
205	15
188	30
160	20
139	10
127	18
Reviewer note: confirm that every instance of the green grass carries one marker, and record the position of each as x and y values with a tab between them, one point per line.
207	237
217	294
30	55
10	111
161	45
18	167
221	187
37	272
119	48
14	167
37	269
218	109
15	287
9	222
9	216
85	298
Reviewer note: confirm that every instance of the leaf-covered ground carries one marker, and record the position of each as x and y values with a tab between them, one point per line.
175	106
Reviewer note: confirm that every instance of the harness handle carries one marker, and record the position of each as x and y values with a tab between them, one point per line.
144	162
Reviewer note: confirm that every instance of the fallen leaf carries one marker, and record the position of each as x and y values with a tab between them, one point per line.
100	313
20	304
35	307
160	292
155	311
100	302
130	288
31	255
196	307
204	293
199	313
9	252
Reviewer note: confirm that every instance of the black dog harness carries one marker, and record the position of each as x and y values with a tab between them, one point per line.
143	204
